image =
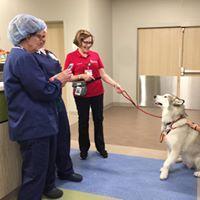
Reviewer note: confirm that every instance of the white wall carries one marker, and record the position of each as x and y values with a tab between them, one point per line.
100	25
73	13
128	15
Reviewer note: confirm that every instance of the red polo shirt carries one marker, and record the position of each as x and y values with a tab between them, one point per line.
91	62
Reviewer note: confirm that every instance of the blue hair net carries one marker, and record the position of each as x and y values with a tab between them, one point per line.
23	25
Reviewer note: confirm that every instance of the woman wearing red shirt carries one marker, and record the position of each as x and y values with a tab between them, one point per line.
88	66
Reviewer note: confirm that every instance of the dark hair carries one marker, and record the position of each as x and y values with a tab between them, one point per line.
82	35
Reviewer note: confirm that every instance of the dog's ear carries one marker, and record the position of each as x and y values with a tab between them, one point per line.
178	102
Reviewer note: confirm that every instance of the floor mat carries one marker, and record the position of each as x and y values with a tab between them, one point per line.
131	178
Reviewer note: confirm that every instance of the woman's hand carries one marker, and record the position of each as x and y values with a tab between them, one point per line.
110	81
63	77
87	77
67	73
118	88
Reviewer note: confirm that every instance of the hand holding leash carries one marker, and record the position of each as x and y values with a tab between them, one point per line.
118	88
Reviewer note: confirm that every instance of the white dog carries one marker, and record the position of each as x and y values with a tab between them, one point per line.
180	138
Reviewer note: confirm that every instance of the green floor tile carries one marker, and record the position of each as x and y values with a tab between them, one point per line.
76	195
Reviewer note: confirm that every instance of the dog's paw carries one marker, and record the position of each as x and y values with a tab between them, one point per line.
163	176
197	174
162	169
164	173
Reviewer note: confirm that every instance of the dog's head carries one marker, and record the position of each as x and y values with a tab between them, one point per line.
167	100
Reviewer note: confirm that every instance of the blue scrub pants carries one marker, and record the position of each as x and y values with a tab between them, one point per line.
38	167
63	160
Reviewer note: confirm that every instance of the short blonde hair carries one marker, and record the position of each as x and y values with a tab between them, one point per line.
82	35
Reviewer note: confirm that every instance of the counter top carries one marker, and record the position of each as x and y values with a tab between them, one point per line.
1	86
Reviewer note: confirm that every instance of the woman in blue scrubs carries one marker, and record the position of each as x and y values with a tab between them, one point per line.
32	110
65	171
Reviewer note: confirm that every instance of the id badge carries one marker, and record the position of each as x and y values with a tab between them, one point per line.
88	72
78	91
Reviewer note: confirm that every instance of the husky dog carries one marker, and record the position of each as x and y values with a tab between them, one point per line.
180	138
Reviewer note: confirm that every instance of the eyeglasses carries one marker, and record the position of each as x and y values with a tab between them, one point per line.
39	36
87	42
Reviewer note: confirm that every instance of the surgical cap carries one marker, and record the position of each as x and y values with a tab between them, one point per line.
23	25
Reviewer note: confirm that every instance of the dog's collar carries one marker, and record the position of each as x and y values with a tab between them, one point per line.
171	123
169	126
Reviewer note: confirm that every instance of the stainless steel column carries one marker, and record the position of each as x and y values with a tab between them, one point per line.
190	91
152	85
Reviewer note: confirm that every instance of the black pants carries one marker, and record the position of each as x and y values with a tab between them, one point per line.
83	106
38	167
63	160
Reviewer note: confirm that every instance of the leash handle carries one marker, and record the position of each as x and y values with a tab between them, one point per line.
128	97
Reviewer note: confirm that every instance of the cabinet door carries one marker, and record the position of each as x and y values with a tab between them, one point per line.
55	40
191	48
10	163
159	51
190	81
55	43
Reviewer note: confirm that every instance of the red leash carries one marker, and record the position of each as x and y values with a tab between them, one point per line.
127	96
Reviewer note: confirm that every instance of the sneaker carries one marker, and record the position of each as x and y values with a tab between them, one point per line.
83	155
74	177
55	193
104	153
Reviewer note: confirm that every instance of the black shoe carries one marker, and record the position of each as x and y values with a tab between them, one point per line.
83	155
55	193
104	153
72	177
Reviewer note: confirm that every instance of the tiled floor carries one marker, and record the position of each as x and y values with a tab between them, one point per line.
126	126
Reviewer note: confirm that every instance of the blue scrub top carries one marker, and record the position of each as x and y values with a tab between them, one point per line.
30	96
48	62
51	66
